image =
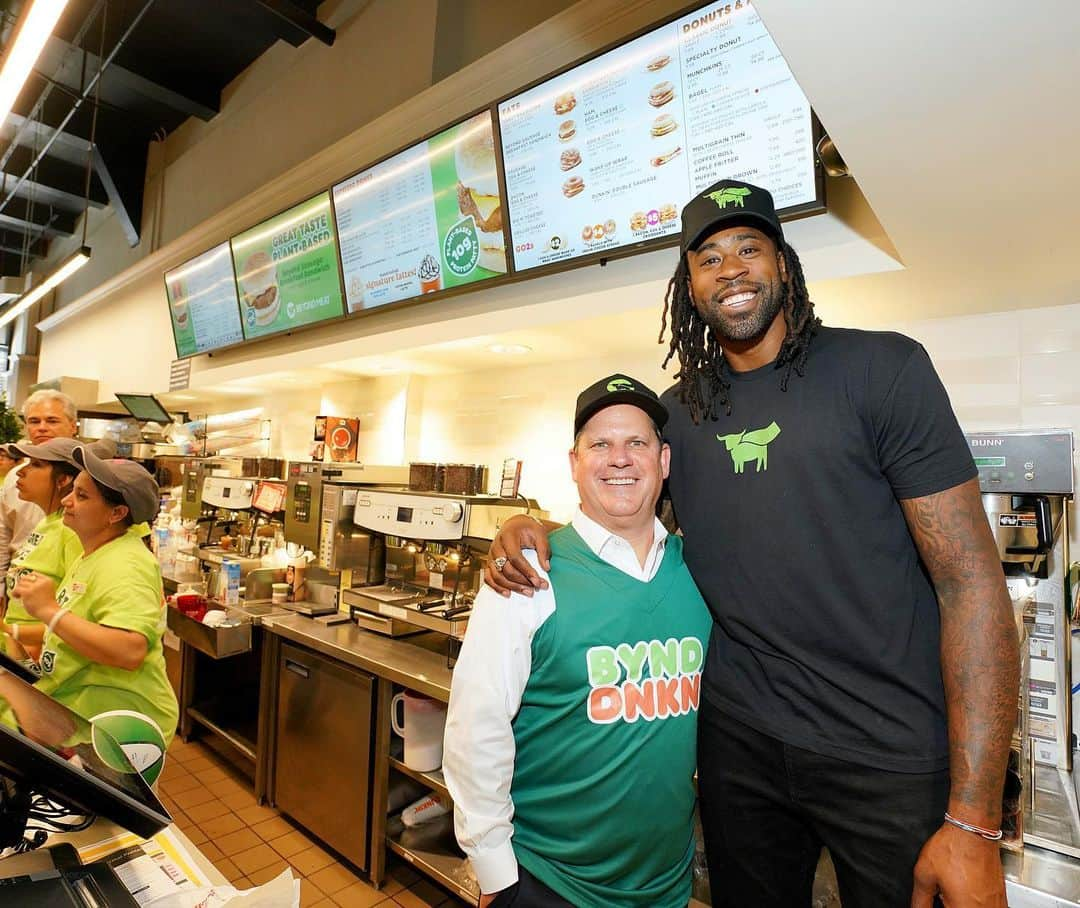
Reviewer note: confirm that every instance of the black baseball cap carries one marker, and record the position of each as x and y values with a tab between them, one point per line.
724	204
618	389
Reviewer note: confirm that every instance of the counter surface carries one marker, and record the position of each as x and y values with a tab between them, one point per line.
417	662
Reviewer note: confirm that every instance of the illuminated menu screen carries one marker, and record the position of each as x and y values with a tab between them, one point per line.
606	154
203	307
287	270
424	220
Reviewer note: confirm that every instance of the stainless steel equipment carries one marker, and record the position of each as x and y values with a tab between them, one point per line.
324	720
304	498
1026	480
231	493
436	547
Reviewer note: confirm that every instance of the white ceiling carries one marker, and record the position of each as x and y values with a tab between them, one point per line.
960	123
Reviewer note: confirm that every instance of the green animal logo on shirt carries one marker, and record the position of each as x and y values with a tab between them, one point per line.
733	194
745	446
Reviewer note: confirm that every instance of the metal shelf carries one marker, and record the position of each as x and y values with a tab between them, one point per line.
432	849
239	735
433	780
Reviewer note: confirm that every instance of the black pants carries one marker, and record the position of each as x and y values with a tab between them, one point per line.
529	892
767	808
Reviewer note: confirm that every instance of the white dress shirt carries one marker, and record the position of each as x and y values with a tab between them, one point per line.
489	680
17	519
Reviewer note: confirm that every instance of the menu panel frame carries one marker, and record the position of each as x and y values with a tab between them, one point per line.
444	292
288	331
602	256
172	272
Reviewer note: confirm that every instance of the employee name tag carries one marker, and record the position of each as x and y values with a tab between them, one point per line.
77	588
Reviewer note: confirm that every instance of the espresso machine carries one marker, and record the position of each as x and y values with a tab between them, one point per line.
1026	481
436	546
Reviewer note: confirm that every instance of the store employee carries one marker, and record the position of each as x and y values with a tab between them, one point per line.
569	747
101	654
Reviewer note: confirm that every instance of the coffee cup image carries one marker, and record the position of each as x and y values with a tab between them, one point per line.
430	273
259	282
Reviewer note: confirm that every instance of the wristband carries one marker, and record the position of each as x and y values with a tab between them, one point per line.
55	620
991	835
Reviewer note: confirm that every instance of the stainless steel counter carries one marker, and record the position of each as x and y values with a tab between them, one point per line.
417	662
1036	878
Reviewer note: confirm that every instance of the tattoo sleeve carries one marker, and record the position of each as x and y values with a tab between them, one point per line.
980	662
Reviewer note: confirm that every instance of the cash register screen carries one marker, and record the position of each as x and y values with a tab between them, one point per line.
51	750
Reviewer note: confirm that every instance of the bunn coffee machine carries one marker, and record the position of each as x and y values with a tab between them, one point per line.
1026	481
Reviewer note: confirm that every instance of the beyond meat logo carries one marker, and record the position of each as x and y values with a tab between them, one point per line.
733	194
646	680
746	446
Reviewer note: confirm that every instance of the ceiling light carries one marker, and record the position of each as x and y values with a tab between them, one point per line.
72	264
510	349
32	31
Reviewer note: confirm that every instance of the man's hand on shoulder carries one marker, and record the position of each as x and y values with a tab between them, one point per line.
961	867
516	574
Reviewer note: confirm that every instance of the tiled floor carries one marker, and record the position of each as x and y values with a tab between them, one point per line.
215	807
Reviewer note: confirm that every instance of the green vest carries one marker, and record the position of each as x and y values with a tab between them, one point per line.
605	737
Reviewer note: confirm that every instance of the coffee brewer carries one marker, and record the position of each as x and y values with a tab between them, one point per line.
1026	480
436	549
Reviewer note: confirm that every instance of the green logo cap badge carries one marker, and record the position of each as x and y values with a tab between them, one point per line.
733	194
620	384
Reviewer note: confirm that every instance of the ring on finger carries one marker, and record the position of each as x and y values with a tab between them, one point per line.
500	563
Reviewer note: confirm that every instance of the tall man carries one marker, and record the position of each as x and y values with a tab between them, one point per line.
47	414
861	683
569	745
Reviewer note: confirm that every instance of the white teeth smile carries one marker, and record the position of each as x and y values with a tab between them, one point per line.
620	482
738	299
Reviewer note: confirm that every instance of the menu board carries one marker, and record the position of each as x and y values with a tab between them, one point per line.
203	306
287	270
606	154
426	219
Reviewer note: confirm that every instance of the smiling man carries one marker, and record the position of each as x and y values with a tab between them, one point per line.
861	682
569	746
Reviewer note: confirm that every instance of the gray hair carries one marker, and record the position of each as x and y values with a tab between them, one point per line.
48	394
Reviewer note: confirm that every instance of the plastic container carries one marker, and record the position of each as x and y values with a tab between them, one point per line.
279	593
230	572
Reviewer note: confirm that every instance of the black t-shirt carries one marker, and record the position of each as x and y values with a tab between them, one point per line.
827	633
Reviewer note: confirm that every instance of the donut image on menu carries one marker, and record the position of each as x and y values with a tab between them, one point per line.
662	93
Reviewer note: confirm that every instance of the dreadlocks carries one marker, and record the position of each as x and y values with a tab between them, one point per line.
702	367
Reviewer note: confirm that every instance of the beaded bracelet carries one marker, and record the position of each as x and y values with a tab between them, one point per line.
991	835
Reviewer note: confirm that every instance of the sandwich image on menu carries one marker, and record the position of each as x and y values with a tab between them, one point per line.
258	280
478	193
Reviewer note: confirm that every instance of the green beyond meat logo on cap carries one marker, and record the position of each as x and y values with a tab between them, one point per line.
620	384
733	194
130	739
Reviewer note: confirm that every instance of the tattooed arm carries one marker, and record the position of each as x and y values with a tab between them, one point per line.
980	668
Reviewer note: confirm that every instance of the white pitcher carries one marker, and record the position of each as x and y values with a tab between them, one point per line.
422	725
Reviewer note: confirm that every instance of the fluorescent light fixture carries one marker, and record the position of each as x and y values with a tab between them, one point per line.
68	268
505	349
33	30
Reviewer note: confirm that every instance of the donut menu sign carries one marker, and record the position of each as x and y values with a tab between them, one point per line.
203	303
428	218
287	270
606	154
